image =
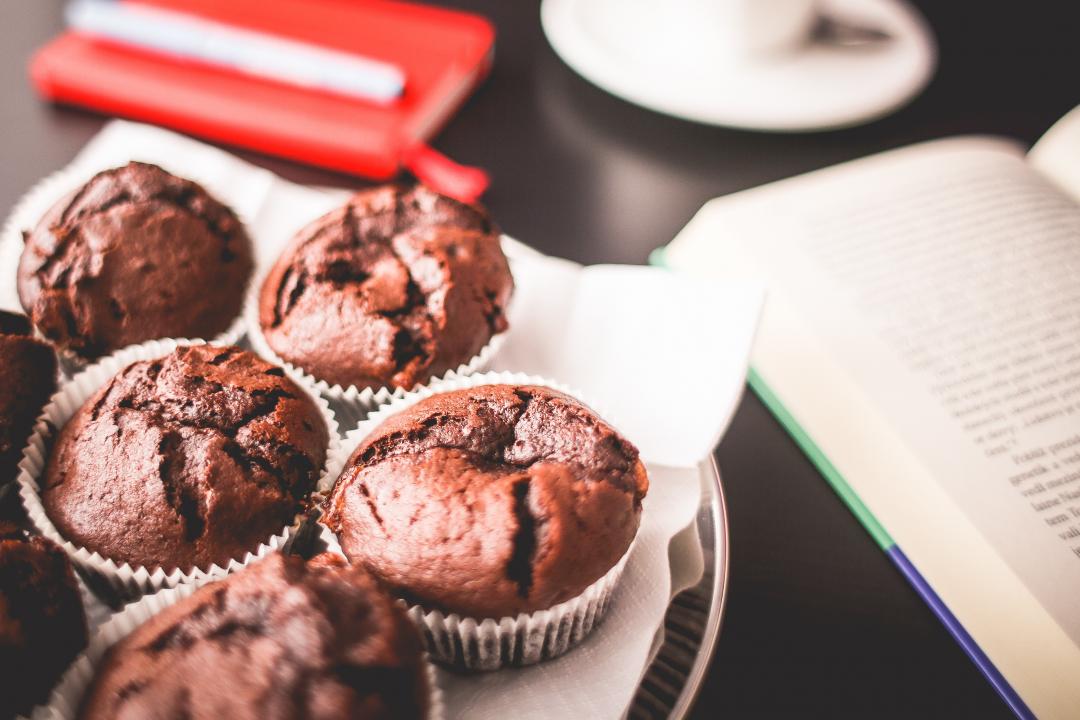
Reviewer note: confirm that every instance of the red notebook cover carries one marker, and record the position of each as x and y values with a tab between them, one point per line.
444	54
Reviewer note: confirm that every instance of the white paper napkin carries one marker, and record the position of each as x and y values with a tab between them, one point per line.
664	355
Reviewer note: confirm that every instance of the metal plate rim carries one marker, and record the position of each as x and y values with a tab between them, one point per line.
673	680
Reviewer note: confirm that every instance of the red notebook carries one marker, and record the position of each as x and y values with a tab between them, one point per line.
444	54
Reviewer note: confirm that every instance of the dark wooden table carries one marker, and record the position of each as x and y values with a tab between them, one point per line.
818	621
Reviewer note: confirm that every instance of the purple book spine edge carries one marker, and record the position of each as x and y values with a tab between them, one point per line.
970	647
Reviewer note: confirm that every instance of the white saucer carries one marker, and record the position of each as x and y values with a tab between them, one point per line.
813	87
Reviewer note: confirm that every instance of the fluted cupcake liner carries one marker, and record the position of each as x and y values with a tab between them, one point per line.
68	695
491	644
126	580
485	644
352	398
25	215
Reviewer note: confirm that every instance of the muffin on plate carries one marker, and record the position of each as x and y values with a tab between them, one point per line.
42	620
394	288
283	638
27	380
489	501
132	255
185	461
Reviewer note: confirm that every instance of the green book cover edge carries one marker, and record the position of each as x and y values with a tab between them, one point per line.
820	461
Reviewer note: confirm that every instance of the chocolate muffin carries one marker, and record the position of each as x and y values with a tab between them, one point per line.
489	501
396	287
132	255
42	621
27	380
283	638
191	459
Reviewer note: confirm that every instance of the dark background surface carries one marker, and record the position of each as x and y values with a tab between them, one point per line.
818	621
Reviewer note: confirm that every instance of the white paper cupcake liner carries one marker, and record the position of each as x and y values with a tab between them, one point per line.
67	696
25	215
97	612
126	580
487	644
491	644
365	399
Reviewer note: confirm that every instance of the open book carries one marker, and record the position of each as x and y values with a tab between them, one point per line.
921	341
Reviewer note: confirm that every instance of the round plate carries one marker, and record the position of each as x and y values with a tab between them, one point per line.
692	623
813	87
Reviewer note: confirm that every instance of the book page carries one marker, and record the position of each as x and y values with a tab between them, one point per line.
967	305
1057	154
939	283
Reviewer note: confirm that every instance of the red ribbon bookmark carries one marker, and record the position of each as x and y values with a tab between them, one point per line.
440	173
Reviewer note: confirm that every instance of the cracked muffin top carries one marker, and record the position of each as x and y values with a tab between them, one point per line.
27	379
283	638
185	461
396	287
42	621
132	255
489	501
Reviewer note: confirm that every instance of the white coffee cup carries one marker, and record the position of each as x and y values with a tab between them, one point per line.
696	32
754	27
